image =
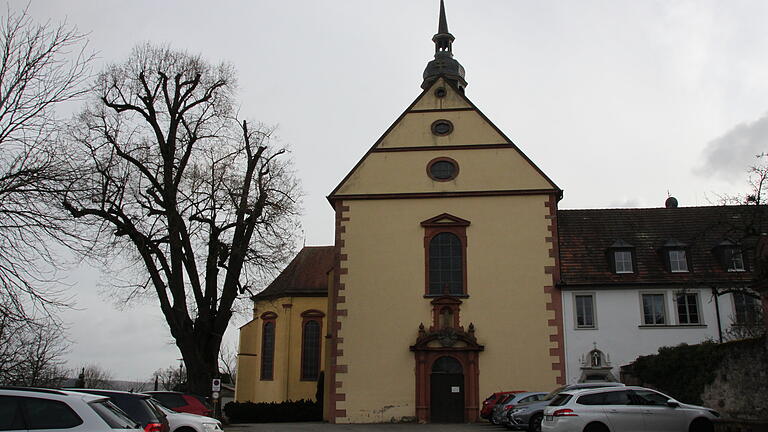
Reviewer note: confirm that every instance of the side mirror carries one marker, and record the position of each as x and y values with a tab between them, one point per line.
673	403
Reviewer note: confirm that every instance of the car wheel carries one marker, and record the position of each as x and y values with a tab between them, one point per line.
535	424
701	425
596	427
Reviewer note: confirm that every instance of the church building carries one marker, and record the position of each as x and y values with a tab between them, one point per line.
444	243
444	282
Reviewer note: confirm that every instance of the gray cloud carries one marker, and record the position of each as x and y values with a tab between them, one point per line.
730	155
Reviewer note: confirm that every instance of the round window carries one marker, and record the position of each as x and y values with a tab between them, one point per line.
442	127
443	169
440	92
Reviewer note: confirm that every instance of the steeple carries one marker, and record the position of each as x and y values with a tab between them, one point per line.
444	64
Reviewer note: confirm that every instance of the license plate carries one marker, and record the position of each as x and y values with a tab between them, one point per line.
548	418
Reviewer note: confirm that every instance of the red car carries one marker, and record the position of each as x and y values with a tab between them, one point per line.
492	400
183	402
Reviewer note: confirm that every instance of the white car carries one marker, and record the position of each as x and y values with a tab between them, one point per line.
46	410
183	422
624	409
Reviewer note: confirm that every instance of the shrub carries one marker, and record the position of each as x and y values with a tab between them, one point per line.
684	371
274	412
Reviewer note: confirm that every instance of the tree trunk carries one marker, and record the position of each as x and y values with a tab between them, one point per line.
201	360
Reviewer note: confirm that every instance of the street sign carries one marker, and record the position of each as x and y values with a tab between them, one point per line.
215	395
216	385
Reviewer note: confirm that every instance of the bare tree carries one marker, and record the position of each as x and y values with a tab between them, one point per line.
41	67
31	353
751	233
171	378
228	363
202	203
93	376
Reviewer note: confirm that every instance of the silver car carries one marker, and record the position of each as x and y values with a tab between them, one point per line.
499	413
627	409
23	409
528	416
185	422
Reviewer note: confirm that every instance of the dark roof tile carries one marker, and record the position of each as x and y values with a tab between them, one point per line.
585	237
306	275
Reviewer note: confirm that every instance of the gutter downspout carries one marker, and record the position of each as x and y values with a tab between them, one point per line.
717	313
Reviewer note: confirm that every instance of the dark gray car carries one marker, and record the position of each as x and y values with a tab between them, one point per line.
528	416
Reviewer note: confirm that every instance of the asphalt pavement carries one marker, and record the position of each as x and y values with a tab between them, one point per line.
326	427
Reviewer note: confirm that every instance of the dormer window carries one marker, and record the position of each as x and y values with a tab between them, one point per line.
623	261
676	256
731	256
734	259
621	256
677	261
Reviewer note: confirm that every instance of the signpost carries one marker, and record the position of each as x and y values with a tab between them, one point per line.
215	389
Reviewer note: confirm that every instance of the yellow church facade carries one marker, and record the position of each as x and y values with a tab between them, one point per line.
441	285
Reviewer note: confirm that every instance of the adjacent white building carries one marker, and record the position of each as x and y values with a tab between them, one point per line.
634	280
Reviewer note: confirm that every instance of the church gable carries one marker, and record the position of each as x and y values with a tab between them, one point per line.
485	160
417	126
440	96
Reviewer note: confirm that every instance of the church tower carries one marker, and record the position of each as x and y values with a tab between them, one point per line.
445	265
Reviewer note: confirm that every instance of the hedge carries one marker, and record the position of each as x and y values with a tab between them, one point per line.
683	371
273	412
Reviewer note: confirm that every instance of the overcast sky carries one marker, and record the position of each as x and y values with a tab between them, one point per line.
618	102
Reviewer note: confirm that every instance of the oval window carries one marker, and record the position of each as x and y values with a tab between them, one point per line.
443	169
442	127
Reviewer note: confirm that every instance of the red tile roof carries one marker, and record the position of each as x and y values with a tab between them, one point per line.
306	275
586	235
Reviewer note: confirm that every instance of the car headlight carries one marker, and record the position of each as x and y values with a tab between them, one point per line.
518	410
212	426
714	413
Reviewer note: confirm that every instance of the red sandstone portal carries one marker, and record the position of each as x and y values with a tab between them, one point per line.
447	341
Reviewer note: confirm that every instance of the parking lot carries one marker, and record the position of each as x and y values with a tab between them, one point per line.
311	427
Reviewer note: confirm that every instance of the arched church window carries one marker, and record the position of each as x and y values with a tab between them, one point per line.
310	350
446	265
268	350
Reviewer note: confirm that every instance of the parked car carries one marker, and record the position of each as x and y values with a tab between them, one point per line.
628	409
23	409
137	406
528	416
502	408
186	422
491	401
183	402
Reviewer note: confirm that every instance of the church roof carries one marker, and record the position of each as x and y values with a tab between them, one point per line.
586	238
306	275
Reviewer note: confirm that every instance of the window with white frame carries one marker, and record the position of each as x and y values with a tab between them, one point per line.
623	261
585	311
677	261
688	308
734	259
654	309
748	309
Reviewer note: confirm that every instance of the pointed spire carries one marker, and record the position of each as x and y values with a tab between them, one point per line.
444	64
443	26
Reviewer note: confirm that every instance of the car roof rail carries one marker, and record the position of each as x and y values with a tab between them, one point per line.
34	389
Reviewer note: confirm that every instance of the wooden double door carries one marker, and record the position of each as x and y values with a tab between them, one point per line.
446	384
